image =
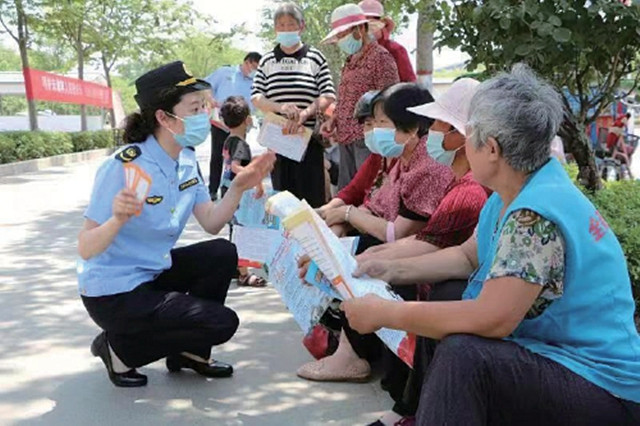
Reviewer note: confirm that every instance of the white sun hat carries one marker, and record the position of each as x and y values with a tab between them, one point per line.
372	8
453	106
347	16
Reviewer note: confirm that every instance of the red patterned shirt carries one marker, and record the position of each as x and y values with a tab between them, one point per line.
413	189
455	219
370	175
399	53
371	69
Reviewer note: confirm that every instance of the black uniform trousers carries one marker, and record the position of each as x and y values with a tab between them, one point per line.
182	310
218	136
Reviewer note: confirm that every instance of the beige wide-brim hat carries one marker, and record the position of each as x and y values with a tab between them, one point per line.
348	16
453	106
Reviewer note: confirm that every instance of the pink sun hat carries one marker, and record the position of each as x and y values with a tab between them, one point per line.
345	17
453	106
372	8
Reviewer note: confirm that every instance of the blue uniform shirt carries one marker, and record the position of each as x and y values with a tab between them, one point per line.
141	250
230	81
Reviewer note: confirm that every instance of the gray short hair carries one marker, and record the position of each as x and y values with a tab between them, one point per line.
522	112
290	9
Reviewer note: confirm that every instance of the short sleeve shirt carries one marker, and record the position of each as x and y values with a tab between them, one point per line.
141	249
413	189
230	81
457	215
298	78
531	248
234	149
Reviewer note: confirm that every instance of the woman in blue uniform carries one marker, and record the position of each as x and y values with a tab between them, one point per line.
153	301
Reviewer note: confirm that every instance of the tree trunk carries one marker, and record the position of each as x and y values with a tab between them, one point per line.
83	108
424	56
107	76
24	56
576	142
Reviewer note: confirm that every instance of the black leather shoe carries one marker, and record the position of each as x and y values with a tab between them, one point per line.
216	369
130	379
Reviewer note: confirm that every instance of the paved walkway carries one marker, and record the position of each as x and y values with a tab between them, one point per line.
48	376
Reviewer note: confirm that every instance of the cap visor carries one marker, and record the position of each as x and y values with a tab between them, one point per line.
435	111
200	85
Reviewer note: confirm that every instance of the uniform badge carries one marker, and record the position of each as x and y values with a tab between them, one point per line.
186	70
188	184
129	154
154	199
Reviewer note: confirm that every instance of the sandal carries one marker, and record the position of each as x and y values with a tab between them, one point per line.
317	371
251	280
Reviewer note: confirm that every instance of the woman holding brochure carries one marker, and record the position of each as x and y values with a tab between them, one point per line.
294	81
153	301
398	206
545	333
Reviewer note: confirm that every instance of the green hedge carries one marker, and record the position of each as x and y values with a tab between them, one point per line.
24	145
619	204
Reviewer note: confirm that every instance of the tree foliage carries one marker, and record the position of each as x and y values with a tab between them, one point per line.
584	47
16	17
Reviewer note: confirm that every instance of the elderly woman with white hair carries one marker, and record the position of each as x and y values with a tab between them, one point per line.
545	331
293	80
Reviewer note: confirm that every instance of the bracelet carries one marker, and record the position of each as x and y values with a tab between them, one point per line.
347	214
391	232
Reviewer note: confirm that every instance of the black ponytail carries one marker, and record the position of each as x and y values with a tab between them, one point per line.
138	126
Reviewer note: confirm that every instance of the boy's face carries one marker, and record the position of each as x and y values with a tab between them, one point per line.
249	122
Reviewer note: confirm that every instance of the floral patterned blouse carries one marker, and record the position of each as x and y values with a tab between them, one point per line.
413	189
371	69
531	248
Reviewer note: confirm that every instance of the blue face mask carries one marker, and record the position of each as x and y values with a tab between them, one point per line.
349	44
288	38
435	148
196	130
382	141
252	74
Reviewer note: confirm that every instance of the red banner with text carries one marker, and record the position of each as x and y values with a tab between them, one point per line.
46	86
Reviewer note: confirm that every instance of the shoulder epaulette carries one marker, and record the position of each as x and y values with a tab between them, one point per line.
129	154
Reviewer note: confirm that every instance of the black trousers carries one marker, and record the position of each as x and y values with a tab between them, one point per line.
218	136
407	396
182	310
371	348
477	381
305	180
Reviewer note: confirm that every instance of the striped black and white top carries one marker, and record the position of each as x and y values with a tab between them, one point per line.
299	78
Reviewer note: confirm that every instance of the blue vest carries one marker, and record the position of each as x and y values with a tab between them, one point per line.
590	329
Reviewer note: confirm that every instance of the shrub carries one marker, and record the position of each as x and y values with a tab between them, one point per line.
84	141
25	145
619	203
7	149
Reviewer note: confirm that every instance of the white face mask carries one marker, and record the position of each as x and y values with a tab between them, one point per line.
435	148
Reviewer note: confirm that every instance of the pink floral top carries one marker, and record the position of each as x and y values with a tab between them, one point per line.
413	189
372	69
